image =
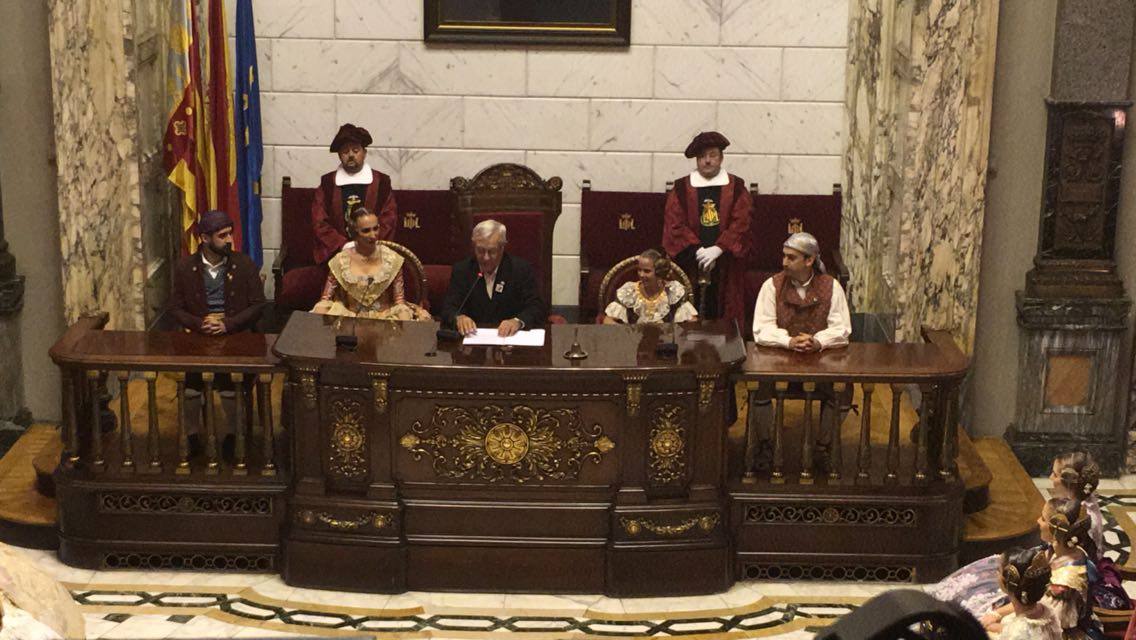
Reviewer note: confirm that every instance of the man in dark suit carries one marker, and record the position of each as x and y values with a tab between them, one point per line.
216	291
492	288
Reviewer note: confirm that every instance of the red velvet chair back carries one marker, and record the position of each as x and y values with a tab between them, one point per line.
296	237
426	225
525	203
776	217
613	225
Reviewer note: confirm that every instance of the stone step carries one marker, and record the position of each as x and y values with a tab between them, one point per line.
975	475
27	516
1010	518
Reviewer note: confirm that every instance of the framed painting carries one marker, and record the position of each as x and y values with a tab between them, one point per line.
578	22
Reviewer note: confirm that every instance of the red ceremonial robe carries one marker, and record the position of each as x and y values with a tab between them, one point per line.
680	230
327	213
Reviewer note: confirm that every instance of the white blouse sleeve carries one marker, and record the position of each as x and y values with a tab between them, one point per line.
765	330
839	321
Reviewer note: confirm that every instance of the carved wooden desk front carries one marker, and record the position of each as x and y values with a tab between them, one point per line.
419	465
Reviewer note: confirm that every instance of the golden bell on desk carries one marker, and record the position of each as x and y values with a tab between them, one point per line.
576	352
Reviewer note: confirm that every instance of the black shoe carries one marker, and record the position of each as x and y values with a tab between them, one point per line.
196	447
822	458
229	448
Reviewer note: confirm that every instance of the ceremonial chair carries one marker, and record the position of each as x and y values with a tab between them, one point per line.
614	224
775	218
625	271
426	227
525	203
416	286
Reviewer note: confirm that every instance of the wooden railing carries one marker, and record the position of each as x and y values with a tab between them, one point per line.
871	450
88	357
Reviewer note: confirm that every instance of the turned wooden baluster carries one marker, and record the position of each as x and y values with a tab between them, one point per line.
71	418
927	419
893	436
239	467
212	467
183	444
864	459
947	467
124	425
779	389
835	447
806	476
264	397
153	436
97	462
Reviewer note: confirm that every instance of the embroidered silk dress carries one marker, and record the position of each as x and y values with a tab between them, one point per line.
632	306
380	295
1044	627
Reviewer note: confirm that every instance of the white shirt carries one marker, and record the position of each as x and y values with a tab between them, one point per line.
767	334
720	180
489	280
362	176
213	269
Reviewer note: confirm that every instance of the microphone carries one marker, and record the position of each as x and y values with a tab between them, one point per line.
453	334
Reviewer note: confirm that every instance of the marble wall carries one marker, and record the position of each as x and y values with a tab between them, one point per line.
768	74
96	154
920	85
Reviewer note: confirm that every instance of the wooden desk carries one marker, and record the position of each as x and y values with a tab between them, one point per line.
427	466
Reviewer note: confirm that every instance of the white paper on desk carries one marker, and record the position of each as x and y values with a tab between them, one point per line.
530	338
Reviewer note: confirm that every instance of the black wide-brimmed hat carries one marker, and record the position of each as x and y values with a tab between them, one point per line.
350	133
706	140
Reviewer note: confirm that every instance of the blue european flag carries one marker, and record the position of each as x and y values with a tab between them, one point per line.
250	149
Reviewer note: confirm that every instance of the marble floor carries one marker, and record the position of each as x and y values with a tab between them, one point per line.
125	604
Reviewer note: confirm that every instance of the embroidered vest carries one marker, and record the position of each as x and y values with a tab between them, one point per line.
798	315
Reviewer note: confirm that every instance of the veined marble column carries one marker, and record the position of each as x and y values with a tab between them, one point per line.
1073	311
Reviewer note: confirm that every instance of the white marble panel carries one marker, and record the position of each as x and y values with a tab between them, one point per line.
266	271
675	21
304	165
779	127
607	171
379	19
461	70
294	18
809	174
648	125
751	168
565	280
609	73
270	223
406	121
269	182
433	168
566	235
813	75
723	73
298	118
789	23
152	627
336	66
528	123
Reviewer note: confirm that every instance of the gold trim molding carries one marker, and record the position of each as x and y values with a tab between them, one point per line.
635	526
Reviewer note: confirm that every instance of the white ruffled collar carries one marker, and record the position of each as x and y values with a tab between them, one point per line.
720	180
363	176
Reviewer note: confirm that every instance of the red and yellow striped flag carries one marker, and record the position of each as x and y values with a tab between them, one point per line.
222	167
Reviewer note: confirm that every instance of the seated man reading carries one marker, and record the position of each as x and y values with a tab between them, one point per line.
492	288
653	298
803	309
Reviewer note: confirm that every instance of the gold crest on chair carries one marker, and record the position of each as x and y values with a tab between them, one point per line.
795	226
410	220
626	222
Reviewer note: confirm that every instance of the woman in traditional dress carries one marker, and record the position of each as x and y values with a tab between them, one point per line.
365	278
1024	576
653	298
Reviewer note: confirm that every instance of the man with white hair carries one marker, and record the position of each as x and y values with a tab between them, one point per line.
802	308
492	288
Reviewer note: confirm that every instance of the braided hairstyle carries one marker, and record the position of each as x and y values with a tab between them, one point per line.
661	263
1066	523
354	216
1078	473
1025	574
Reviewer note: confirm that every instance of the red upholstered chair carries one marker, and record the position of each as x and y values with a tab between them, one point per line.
775	218
625	271
298	280
427	226
413	275
613	225
524	202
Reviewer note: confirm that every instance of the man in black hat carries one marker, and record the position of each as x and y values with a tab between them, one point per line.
354	184
706	228
216	291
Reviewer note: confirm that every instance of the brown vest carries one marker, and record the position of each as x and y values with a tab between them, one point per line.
809	315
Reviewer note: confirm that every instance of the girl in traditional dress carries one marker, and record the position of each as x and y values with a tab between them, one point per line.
653	298
1024	576
975	586
365	278
1064	525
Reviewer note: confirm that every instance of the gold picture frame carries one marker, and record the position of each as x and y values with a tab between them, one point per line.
555	22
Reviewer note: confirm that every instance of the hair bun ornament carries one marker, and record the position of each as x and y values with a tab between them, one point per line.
1087	490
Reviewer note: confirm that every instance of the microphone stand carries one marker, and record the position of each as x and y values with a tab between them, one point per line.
453	334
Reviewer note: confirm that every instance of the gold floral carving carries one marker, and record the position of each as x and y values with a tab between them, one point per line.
506	444
374	519
379	391
706	390
666	445
634	393
308	388
635	526
347	455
